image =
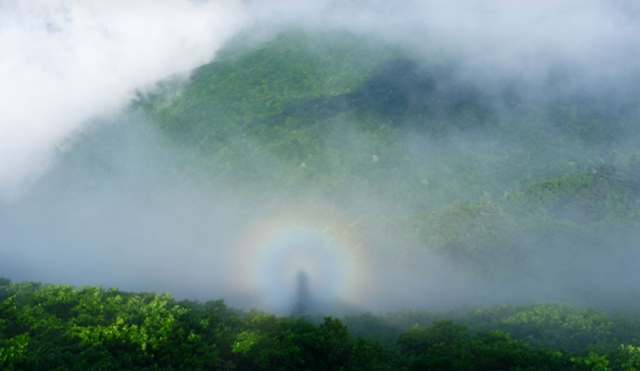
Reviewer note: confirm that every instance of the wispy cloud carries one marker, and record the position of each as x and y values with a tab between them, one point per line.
63	62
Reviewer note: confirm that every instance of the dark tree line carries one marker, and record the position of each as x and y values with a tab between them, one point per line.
46	327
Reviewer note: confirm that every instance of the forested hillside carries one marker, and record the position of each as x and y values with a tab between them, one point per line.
507	180
448	189
60	327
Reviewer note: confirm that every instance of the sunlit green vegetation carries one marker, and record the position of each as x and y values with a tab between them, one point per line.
64	328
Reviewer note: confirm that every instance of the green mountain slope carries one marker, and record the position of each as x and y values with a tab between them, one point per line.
504	179
355	113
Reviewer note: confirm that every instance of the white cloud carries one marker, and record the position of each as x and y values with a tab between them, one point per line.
63	62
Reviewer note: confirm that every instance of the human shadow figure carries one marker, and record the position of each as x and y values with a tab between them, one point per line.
302	304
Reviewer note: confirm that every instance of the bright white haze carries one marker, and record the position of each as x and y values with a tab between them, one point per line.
63	62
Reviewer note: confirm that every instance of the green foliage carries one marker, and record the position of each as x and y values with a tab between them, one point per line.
553	326
243	92
61	327
628	357
295	344
480	236
94	329
610	192
448	346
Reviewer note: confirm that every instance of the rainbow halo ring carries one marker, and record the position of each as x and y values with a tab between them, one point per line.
311	239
